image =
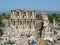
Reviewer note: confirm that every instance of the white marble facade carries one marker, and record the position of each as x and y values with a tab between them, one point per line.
23	21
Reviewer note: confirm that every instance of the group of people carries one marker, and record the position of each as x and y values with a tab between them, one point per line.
31	39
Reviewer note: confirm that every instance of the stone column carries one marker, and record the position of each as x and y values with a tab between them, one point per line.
13	14
26	17
33	15
54	22
19	18
21	14
11	17
27	14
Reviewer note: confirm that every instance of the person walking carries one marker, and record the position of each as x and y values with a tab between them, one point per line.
33	42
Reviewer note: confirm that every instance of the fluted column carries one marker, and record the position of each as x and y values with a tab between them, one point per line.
20	17
33	15
27	14
21	14
13	14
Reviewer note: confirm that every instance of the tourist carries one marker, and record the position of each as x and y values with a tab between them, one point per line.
33	42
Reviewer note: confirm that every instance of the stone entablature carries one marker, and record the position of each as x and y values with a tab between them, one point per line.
31	14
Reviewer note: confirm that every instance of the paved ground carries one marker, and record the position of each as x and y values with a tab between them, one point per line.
58	43
22	41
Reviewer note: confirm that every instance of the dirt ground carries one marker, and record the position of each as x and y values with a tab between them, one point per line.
42	42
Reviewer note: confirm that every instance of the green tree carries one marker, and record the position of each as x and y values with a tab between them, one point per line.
50	17
5	16
37	16
2	24
1	32
54	15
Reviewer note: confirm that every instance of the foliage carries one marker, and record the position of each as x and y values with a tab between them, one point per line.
1	32
2	24
50	18
9	42
56	16
37	16
3	16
